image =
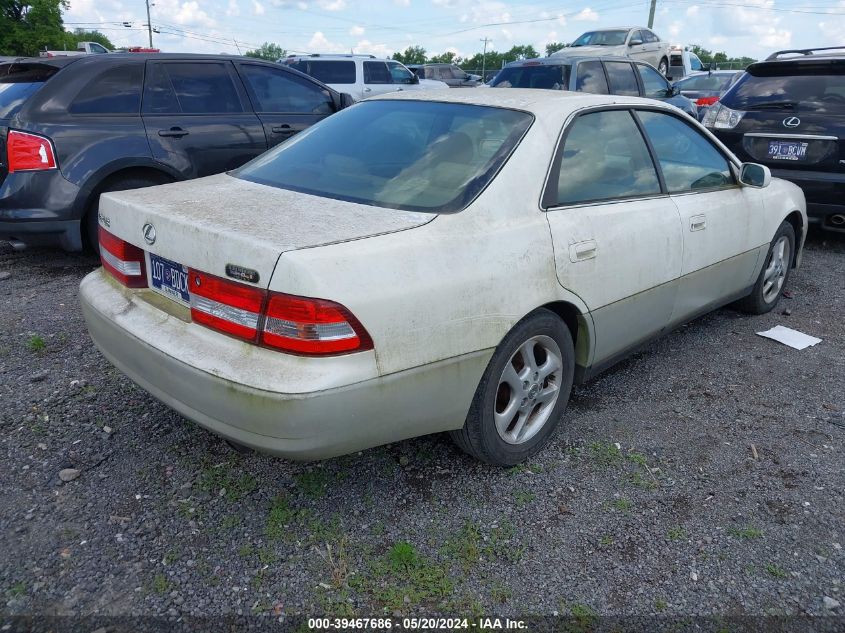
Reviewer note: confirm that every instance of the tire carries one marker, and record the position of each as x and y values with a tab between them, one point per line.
130	182
508	424
774	275
663	66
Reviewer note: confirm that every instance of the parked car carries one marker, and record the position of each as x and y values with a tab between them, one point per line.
82	48
788	112
73	127
636	42
599	75
450	74
427	262
683	62
706	88
361	76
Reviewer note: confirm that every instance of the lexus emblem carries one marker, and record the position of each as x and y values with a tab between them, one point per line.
149	232
791	121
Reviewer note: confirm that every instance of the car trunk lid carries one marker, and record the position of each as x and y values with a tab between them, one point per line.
232	228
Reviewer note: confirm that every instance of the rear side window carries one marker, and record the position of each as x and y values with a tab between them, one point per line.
591	78
604	157
550	77
276	90
688	160
115	91
191	88
18	82
654	85
376	73
622	79
790	88
329	72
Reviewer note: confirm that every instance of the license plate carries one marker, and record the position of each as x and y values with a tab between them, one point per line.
169	278
787	150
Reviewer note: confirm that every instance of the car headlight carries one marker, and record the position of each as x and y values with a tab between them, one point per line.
720	117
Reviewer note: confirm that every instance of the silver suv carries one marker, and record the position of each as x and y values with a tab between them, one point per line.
361	76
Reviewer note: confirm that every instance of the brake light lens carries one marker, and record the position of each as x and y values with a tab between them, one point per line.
313	327
720	117
225	306
706	101
123	260
29	152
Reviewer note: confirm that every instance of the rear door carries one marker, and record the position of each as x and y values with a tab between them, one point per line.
286	103
198	118
622	79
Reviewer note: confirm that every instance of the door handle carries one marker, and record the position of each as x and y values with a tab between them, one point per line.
368	89
282	129
580	251
174	132
698	223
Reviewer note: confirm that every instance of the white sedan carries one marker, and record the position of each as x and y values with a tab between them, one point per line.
636	42
443	261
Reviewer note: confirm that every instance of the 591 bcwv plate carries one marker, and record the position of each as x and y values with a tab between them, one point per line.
169	278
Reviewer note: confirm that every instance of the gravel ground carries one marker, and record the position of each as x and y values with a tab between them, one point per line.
703	476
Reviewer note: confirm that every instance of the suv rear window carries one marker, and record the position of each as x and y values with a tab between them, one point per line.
114	91
18	82
790	88
409	155
550	77
327	71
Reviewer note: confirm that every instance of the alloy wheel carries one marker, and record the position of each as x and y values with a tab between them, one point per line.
775	273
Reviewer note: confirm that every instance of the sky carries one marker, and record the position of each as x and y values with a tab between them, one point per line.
752	28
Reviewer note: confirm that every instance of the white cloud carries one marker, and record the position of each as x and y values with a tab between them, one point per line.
332	5
356	31
586	15
367	47
320	44
302	6
233	9
257	8
693	11
675	29
776	38
402	3
185	13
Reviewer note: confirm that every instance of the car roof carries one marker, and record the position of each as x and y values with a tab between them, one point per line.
560	60
699	73
57	62
538	102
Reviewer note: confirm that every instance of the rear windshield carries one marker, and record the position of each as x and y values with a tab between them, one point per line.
409	155
816	89
550	77
715	83
329	72
18	82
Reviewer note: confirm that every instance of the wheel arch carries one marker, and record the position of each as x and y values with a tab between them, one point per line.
121	173
580	326
797	221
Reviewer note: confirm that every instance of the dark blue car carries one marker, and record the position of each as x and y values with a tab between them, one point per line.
599	75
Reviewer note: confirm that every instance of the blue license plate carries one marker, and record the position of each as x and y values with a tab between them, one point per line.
787	150
169	278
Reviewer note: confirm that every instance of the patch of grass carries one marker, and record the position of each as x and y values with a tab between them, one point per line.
676	533
523	498
464	546
621	505
499	593
313	483
161	585
231	521
171	556
335	604
320	531
246	550
606	540
18	589
36	344
584	618
777	572
638	458
636	479
604	454
660	605
501	543
282	517
221	476
746	532
267	556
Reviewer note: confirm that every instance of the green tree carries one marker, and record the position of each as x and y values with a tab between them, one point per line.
81	35
446	58
412	55
27	26
553	47
268	50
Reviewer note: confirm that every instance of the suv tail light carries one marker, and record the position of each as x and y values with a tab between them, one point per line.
29	152
123	260
312	326
706	101
721	117
297	325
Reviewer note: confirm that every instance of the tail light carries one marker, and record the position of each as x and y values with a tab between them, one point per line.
720	117
298	325
706	101
225	306
29	152
312	327
123	260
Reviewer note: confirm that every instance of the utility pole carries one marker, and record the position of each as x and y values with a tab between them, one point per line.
484	59
150	24
651	13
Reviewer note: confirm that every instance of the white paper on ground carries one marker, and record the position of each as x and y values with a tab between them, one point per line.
788	336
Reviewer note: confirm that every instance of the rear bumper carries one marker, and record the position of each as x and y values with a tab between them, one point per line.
65	234
283	421
825	194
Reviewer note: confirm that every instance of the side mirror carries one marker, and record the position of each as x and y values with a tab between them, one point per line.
675	90
415	79
635	42
754	175
345	100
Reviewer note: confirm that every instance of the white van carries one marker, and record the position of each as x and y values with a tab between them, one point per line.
361	76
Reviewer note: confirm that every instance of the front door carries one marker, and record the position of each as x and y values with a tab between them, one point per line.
617	238
197	117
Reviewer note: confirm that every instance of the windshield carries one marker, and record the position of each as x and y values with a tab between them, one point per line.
550	77
815	89
711	83
18	82
409	155
601	38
